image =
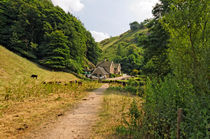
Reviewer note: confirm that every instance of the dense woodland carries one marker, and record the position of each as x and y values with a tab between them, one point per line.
38	30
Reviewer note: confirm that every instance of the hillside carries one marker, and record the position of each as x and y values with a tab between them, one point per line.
14	68
45	33
121	47
110	46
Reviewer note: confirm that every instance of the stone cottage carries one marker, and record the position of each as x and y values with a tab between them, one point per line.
105	68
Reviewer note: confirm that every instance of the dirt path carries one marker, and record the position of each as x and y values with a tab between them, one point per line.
75	124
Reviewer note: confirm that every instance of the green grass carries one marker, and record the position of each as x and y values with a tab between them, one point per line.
14	68
114	112
109	46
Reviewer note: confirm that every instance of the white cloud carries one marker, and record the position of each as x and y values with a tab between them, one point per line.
69	5
99	36
143	8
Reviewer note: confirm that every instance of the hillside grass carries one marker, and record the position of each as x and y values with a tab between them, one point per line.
114	113
14	68
27	103
109	46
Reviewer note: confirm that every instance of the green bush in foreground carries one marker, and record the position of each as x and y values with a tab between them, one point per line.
158	116
162	102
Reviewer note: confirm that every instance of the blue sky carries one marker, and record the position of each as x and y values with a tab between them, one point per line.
105	18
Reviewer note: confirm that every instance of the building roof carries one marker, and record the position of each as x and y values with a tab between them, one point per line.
99	70
104	64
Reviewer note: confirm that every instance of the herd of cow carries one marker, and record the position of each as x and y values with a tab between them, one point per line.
78	82
58	82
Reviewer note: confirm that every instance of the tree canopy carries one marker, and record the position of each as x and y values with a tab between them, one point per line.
40	31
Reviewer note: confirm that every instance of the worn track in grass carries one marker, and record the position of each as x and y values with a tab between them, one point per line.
75	124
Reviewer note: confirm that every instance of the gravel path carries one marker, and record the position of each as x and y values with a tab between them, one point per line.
75	124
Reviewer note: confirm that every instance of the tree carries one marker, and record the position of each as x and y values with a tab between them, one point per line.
188	25
93	51
156	44
134	26
55	52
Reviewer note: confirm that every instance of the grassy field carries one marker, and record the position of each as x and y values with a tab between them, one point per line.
26	103
114	113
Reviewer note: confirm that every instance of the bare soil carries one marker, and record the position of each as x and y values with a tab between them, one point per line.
75	124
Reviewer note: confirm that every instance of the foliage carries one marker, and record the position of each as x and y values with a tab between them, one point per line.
134	72
56	54
186	51
162	102
114	75
133	86
187	23
129	127
156	61
132	60
29	28
126	49
135	25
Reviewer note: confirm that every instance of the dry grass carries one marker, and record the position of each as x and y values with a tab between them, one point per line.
32	105
115	108
25	103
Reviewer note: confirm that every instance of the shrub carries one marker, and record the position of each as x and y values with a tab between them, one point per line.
159	112
162	100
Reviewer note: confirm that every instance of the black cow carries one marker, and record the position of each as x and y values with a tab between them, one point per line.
34	76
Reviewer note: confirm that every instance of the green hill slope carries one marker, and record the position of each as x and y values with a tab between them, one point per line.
14	68
110	46
126	49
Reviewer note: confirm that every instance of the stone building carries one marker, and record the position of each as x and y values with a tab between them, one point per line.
106	68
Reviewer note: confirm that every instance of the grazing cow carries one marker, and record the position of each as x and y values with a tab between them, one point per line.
124	84
71	82
80	83
34	76
58	82
50	82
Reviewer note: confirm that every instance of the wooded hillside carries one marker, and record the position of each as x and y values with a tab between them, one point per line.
42	32
127	48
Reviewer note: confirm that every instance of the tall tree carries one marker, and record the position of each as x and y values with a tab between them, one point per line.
156	59
56	54
188	25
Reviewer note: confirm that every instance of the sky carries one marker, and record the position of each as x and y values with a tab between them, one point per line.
107	18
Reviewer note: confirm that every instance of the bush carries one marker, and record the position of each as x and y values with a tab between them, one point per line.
162	100
159	113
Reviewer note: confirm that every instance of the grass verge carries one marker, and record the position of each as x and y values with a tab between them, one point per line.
114	113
